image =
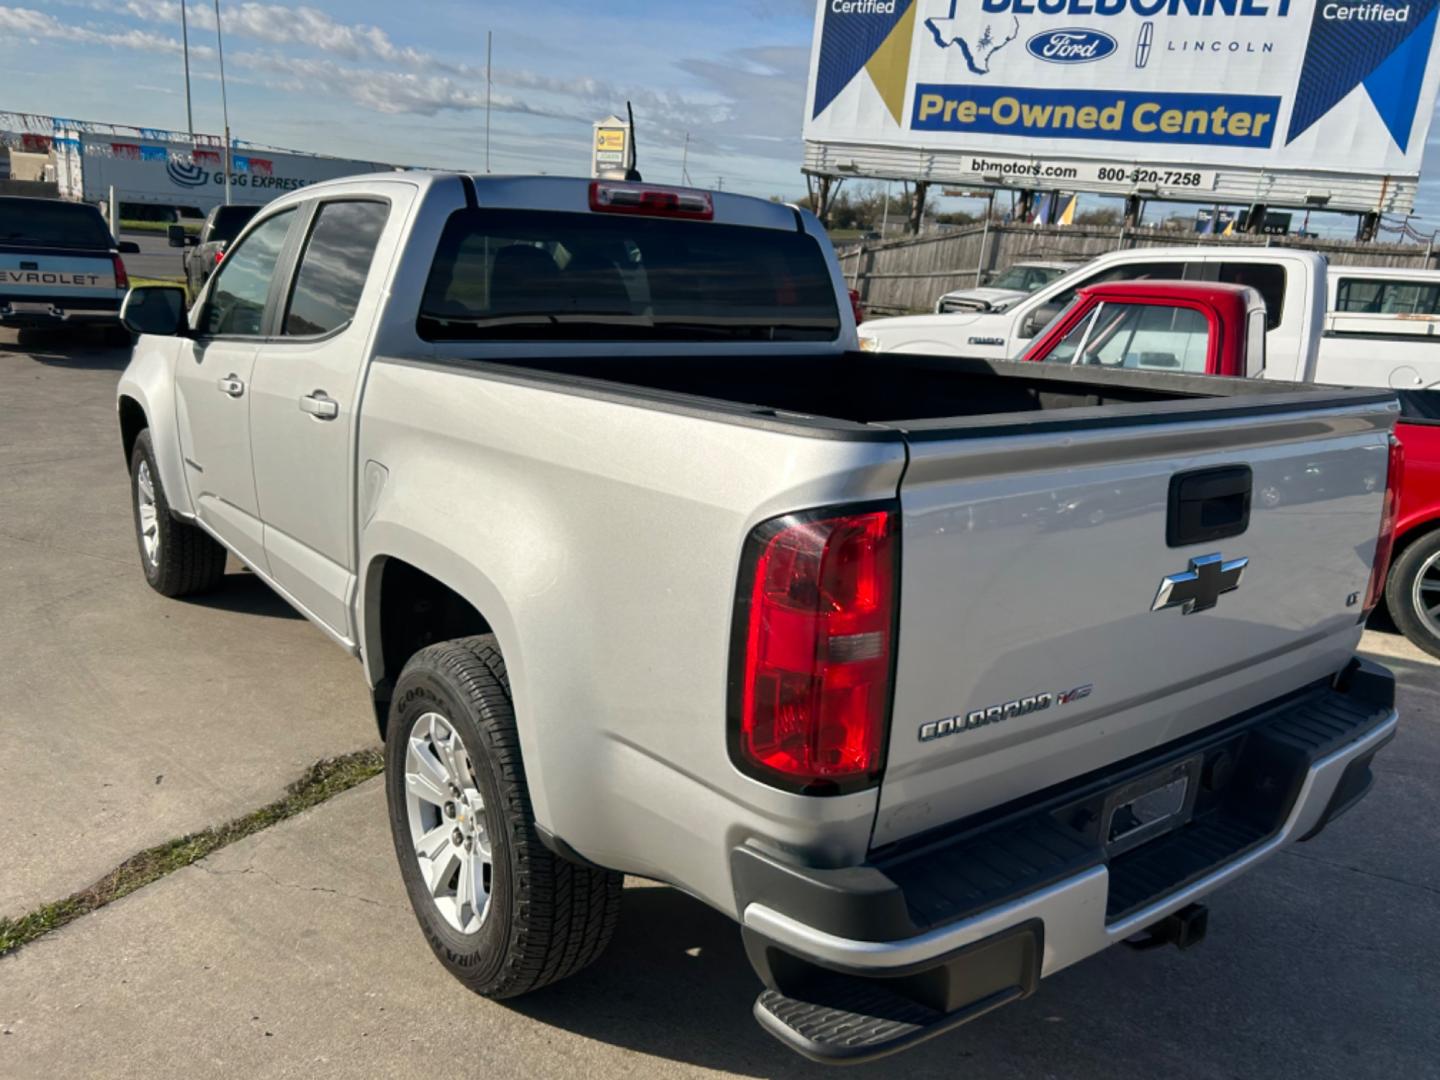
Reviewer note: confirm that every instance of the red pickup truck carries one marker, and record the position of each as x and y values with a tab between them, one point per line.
1213	329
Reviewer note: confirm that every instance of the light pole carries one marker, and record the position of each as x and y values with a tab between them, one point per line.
185	41
489	83
224	103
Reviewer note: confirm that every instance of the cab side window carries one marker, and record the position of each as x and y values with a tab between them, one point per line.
236	307
333	267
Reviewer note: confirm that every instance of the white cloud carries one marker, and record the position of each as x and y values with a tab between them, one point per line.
39	26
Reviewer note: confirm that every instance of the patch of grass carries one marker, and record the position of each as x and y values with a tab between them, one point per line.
323	780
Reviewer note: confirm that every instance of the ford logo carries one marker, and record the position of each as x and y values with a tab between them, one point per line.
1070	46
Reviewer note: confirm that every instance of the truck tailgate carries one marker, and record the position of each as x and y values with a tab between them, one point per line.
56	276
1028	650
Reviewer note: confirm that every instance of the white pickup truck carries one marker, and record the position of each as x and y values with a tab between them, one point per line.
1303	343
1383	322
936	675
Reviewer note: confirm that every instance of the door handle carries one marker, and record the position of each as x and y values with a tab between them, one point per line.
320	405
231	385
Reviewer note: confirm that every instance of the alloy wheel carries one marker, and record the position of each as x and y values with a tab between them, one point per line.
449	831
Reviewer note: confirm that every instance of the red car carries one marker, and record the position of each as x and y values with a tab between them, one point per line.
1214	329
1412	591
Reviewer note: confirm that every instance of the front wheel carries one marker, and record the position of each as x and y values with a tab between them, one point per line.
1412	593
501	912
178	558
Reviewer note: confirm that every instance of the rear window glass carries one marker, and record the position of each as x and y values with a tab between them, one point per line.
508	275
230	220
1266	279
56	224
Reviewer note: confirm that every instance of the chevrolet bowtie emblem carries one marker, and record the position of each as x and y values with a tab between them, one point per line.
1198	588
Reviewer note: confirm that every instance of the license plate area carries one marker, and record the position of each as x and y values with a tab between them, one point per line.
27	307
1150	806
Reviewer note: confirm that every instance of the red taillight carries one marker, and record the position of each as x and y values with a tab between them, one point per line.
810	693
857	307
623	198
1389	511
122	279
219	254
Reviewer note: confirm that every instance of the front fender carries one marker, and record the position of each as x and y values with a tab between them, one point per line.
149	381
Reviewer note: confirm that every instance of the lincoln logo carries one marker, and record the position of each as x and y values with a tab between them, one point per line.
1200	587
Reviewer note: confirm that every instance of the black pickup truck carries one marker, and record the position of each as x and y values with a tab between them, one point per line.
59	266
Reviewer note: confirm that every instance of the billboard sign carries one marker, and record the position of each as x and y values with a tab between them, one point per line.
178	173
1171	95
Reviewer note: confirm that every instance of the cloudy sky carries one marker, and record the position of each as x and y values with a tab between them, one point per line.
403	80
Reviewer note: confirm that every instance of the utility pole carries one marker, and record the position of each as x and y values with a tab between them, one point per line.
684	161
719	183
185	42
489	82
224	102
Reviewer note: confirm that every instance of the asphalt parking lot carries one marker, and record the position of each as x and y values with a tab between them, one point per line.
157	259
126	719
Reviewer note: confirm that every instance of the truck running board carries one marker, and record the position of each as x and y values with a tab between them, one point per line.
845	1021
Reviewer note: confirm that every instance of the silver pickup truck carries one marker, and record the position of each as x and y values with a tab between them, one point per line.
936	675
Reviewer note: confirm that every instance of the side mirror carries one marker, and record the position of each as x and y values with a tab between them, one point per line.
155	309
175	235
128	247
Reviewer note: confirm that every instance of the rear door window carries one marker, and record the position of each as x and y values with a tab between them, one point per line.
518	275
1267	279
333	268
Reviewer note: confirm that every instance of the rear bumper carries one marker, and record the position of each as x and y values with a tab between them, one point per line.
58	310
961	923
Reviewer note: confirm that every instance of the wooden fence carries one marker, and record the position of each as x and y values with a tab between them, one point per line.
895	276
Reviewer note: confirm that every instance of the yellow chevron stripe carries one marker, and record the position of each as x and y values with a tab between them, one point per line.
889	67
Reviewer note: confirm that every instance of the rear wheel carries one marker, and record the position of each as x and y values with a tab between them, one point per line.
501	912
178	559
1412	592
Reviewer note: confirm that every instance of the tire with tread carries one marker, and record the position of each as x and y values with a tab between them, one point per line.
190	560
548	917
1399	586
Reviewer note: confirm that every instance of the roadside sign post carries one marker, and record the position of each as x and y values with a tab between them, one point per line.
613	149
